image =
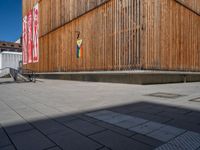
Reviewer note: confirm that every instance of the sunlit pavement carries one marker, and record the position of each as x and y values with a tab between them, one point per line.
69	115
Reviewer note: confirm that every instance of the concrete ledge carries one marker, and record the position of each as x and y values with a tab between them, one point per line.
135	77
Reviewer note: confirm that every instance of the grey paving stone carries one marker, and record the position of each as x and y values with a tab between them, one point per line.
48	126
151	110
166	133
147	127
116	129
71	140
31	140
118	142
134	121
100	113
185	125
10	147
151	117
123	110
117	119
87	118
84	127
4	140
7	117
54	148
147	140
189	141
194	114
18	127
103	115
132	108
104	148
177	110
30	114
65	119
172	115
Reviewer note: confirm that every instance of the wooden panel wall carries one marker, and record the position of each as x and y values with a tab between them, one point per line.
27	5
194	5
118	35
110	36
56	13
171	37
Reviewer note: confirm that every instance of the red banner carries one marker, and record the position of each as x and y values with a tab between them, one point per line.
36	33
24	38
30	36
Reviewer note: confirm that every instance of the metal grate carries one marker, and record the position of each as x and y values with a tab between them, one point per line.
165	95
187	141
195	99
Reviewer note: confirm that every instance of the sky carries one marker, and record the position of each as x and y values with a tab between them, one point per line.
10	20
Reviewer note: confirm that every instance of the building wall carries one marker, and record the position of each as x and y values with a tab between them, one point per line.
0	61
171	36
117	35
10	59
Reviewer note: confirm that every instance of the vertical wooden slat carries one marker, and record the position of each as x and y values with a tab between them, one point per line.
118	34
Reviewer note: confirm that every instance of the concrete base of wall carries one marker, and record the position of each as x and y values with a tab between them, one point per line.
128	77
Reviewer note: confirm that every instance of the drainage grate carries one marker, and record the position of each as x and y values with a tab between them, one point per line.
165	95
187	141
195	99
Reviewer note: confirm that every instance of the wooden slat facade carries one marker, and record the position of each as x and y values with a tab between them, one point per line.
117	35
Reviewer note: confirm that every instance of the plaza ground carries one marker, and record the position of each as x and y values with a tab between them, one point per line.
70	115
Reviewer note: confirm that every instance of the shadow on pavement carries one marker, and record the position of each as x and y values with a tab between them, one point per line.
137	126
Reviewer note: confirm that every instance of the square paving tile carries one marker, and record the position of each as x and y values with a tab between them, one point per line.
54	148
31	140
65	119
4	141
71	140
3	138
150	117
185	125
102	115
148	140
48	126
116	129
166	133
132	122
104	148
84	127
10	147
30	114
18	127
87	118
118	142
117	119
147	127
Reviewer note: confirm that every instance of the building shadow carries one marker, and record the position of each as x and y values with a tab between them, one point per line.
38	129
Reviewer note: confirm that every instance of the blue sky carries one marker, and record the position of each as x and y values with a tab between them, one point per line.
11	16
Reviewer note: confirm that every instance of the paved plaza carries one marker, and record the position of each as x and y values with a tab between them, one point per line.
70	115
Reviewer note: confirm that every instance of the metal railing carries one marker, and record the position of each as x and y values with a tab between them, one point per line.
20	74
28	73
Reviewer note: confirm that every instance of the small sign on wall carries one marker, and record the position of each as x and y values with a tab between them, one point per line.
79	49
